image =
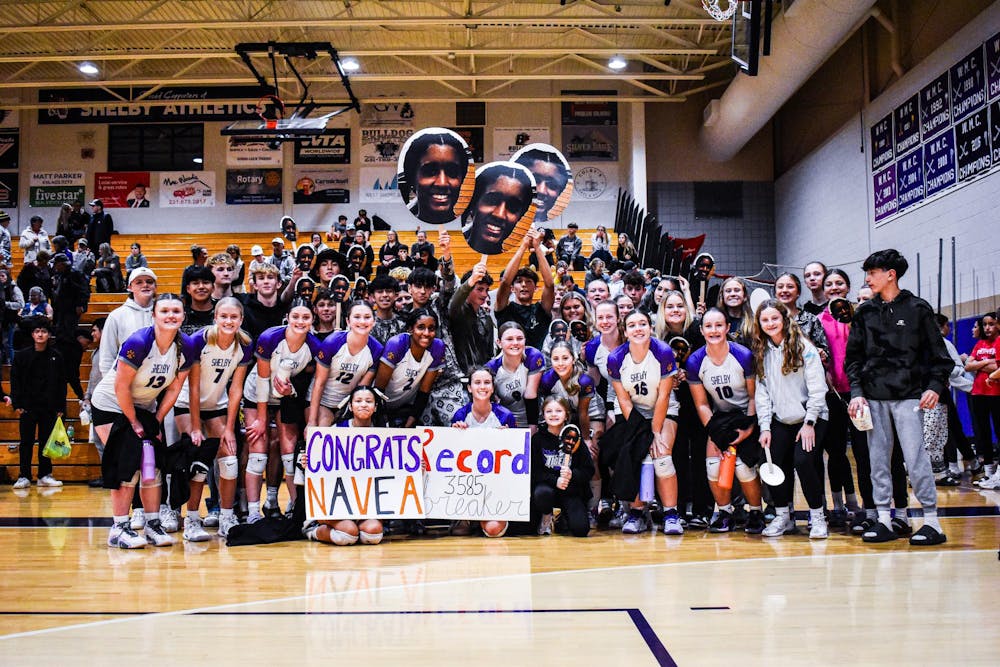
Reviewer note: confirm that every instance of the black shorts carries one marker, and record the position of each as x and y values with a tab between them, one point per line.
101	417
205	414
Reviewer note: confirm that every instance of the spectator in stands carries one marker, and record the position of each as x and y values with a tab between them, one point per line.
600	245
135	258
521	283
101	227
60	246
198	305
316	241
281	260
421	243
70	297
96	331
6	258
36	274
38	393
361	239
384	290
34	239
337	229
570	248
257	253
199	256
634	287
626	251
596	270
125	320
470	324
425	258
13	300
389	251
37	305
222	267
108	273
78	222
363	223
239	268
84	260
62	222
263	309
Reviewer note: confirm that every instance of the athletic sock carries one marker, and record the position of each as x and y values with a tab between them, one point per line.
815	514
791	511
838	501
672	508
782	511
728	507
151	515
852	502
885	518
871	514
755	508
931	519
119	519
902	514
272	496
227	512
253	508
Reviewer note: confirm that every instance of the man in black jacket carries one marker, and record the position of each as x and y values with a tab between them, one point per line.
70	297
897	365
101	226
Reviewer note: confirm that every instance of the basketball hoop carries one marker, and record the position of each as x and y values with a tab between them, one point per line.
716	12
274	104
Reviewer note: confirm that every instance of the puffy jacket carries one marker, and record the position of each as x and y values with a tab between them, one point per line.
895	350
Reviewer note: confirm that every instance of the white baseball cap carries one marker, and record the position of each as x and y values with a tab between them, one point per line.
140	271
256	250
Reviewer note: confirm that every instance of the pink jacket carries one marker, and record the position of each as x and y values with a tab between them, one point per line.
836	335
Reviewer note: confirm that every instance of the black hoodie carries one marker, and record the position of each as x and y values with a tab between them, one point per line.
895	350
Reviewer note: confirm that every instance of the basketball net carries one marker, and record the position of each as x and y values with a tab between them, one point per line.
716	12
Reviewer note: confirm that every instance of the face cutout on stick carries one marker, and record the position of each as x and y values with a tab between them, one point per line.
553	179
559	330
569	439
502	208
339	287
842	310
436	175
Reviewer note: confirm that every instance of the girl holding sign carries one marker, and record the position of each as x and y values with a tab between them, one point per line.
791	411
518	371
344	532
409	365
482	412
642	373
128	407
552	481
282	353
207	411
565	380
345	360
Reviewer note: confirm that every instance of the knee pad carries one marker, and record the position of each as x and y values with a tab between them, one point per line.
369	538
257	464
157	481
288	463
663	467
229	467
745	473
712	464
342	539
199	471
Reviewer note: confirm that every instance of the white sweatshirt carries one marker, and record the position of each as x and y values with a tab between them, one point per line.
792	398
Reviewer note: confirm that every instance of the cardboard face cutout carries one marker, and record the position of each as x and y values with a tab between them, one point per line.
842	310
502	208
553	179
339	286
436	175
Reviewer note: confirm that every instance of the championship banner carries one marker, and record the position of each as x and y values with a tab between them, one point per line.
122	189
509	140
321	186
441	473
381	146
55	188
187	189
252	153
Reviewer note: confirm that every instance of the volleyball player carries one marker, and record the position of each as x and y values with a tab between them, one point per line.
282	352
566	380
608	339
517	370
409	365
642	373
128	410
720	376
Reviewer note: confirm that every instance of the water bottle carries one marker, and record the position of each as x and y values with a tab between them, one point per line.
85	416
727	468
148	469
70	432
646	490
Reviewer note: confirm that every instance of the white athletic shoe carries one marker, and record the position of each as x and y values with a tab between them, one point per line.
819	530
155	534
777	526
211	519
193	530
22	483
49	480
254	517
227	522
169	519
123	537
545	527
990	482
138	521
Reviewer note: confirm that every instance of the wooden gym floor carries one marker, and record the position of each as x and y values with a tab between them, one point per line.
608	599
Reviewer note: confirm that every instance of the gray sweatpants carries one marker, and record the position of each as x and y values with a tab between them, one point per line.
910	428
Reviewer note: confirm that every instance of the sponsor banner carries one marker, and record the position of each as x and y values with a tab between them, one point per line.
910	179
885	193
590	113
381	146
939	163
473	137
251	153
594	182
321	186
907	125
253	186
442	473
972	145
881	142
590	142
8	190
331	147
187	189
123	189
935	112
55	188
379	186
9	119
387	113
509	140
10	141
968	85
180	104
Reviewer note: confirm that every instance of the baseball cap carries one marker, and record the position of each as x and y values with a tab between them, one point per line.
278	239
83	242
256	250
573	225
96	202
60	258
140	271
4	216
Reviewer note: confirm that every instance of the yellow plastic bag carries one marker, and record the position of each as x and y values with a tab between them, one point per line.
58	445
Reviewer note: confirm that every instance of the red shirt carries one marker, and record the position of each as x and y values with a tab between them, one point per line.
981	351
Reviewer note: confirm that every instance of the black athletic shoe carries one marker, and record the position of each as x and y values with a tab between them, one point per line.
927	536
605	512
879	533
721	523
900	527
837	518
858	523
948	480
272	511
755	523
697	522
96	483
769	513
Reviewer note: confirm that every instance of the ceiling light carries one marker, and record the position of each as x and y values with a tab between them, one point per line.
350	65
617	63
88	68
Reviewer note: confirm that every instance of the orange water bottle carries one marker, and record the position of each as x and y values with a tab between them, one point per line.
727	468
